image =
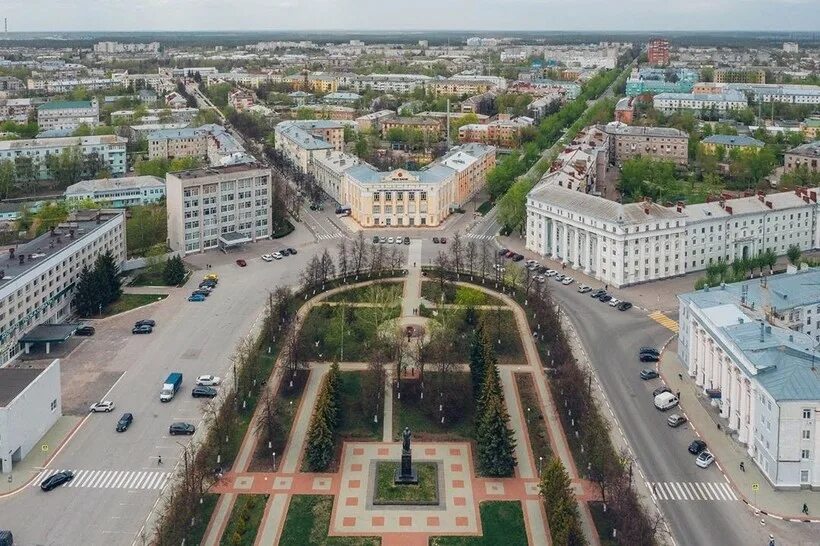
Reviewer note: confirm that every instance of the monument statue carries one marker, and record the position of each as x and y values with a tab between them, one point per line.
405	474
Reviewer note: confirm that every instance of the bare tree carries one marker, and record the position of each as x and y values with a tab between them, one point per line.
359	254
267	421
442	268
373	383
342	257
396	258
457	253
376	258
327	268
470	254
484	257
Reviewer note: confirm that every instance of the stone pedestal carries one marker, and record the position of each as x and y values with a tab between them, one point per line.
406	474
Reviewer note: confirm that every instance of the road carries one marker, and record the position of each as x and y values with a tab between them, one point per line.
120	480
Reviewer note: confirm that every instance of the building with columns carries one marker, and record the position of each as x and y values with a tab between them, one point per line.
760	370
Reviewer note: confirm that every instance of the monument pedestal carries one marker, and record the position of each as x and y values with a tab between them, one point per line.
406	474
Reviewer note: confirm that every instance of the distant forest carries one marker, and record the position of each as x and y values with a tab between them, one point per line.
237	38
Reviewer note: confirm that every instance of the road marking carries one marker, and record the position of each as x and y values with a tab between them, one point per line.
692	491
478	236
665	321
110	479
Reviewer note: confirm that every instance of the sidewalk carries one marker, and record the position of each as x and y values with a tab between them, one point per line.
704	420
411	299
32	464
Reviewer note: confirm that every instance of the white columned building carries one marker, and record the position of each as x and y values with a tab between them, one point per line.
761	372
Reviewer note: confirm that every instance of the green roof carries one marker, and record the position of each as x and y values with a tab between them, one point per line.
60	104
812	122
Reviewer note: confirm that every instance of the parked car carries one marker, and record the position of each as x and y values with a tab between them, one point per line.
277	255
604	297
201	292
390	240
509	254
196	297
146	322
597	293
84	330
704	459
647	374
209	284
375	239
102	406
407	240
648	357
517	257
267	257
285	252
550	273
696	446
540	278
567	281
675	420
503	252
649	350
203	392
208	380
624	306
125	422
181	428
443	240
542	270
292	251
666	401
614	301
6	538
143	328
660	390
558	277
583	289
382	240
241	263
56	480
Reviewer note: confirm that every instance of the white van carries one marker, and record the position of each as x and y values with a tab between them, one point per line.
665	401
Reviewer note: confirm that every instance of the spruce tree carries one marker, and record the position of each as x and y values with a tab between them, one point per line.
333	381
560	505
496	444
86	296
174	271
108	271
477	360
319	450
490	388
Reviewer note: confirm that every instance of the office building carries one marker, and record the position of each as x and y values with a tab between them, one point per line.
118	193
748	348
218	207
67	115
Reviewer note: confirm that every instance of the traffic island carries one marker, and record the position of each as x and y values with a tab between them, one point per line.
423	493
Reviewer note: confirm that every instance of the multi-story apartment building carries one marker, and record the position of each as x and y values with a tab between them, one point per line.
658	52
664	143
656	80
751	347
118	193
371	121
731	142
807	155
155	115
218	207
299	140
750	75
38	277
390	83
10	84
675	102
66	85
773	92
467	85
117	47
211	142
17	110
429	127
246	79
67	115
503	133
810	128
109	148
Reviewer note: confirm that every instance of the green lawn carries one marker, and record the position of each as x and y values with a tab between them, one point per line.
287	404
206	509
354	423
244	522
153	277
387	492
345	333
131	301
603	523
308	521
536	425
502	522
499	323
460	295
374	293
423	416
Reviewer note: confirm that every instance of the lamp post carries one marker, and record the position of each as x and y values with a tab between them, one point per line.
540	464
274	461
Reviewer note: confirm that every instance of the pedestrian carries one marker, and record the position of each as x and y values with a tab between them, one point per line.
606	287
677	395
159	462
742	466
805	509
655	489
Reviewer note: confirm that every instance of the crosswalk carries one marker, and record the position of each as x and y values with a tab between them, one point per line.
692	491
329	236
478	236
663	320
110	479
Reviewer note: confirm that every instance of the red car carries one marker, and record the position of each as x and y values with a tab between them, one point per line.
241	263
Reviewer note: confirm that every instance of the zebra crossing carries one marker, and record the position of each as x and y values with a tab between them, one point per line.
663	320
110	479
692	491
478	236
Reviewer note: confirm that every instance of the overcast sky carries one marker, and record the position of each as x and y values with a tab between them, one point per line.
642	15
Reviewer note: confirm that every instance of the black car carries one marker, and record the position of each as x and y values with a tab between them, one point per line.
542	269
84	331
697	446
597	293
407	240
125	422
604	297
648	357
503	252
203	392
375	239
660	390
624	306
207	284
292	251
649	350
284	252
58	479
648	374
517	258
181	428
435	240
146	322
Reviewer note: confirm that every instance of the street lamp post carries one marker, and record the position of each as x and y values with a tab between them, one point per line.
540	464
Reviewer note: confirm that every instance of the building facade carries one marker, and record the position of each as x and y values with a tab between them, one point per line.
300	140
67	115
759	371
109	148
663	143
805	155
675	102
209	142
658	52
218	207
118	192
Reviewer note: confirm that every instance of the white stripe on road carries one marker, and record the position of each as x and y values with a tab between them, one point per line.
692	491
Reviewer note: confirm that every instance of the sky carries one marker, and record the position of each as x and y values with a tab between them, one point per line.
381	15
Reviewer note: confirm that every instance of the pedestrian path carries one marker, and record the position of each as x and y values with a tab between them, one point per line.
692	491
109	479
665	321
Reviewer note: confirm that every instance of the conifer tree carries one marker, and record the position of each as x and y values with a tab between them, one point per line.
496	444
477	360
319	450
560	505
174	271
86	296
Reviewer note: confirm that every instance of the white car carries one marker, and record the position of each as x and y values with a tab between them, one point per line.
530	262
267	257
550	273
583	289
613	302
390	240
704	459
277	255
567	281
208	380
102	406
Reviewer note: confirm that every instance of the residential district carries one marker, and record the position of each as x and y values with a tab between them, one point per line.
307	291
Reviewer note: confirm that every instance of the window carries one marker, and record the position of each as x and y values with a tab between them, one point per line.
53	405
807	414
805	454
806	434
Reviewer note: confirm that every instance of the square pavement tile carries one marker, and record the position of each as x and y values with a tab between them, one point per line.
455	452
458	484
494	488
456	467
349	522
321	484
282	483
243	482
430	451
459	501
405	521
531	488
356	467
383	451
377	521
462	521
352	501
354	484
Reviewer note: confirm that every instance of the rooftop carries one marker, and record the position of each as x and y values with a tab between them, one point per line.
103	184
810	149
62	142
36	251
734	140
13	381
746	205
65	104
215	171
630	130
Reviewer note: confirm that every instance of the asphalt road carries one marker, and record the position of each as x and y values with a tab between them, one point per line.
121	481
611	339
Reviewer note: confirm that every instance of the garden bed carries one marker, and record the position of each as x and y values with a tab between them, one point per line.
604	522
244	522
536	424
374	293
502	522
307	523
424	493
457	294
343	333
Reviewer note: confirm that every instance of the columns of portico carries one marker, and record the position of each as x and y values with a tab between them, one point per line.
554	239
750	437
708	364
587	254
744	412
693	347
576	261
724	385
734	399
564	244
701	364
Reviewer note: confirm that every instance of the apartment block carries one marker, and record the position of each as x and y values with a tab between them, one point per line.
110	148
67	115
665	143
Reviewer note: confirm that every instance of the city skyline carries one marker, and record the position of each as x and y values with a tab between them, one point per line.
358	15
